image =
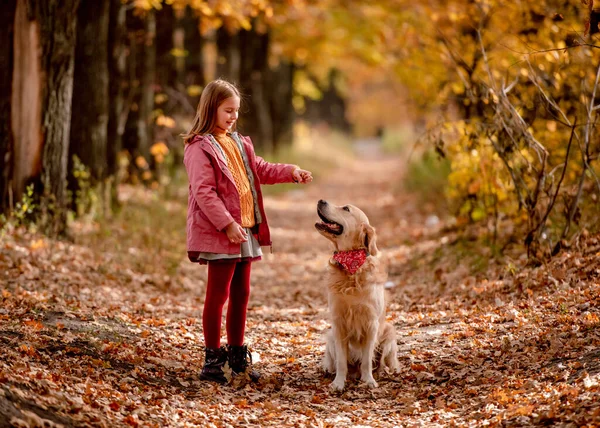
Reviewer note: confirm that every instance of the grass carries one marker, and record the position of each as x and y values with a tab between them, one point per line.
147	233
314	151
427	177
395	140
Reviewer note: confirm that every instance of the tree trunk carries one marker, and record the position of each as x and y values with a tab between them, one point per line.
90	101
147	84
117	107
26	101
7	22
194	45
137	136
331	108
229	61
179	46
281	92
58	29
166	73
256	116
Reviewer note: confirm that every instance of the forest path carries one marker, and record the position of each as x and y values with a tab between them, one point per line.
96	333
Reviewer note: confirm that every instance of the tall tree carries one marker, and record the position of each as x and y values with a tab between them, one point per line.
280	87
45	34
89	123
229	54
7	20
58	31
148	80
118	107
138	133
257	120
194	45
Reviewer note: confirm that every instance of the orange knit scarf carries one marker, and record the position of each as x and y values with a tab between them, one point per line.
238	170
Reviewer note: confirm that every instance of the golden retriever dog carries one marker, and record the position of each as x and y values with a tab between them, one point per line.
360	333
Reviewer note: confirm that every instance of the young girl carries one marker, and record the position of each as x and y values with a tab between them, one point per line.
226	221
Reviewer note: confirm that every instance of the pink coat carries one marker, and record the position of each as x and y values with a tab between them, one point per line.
213	200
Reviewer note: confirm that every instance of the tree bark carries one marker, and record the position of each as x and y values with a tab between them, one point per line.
256	118
117	108
166	73
26	101
137	136
7	22
194	44
144	127
90	101
332	107
229	55
58	29
281	92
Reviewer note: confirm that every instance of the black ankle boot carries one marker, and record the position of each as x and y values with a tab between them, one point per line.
215	359
240	361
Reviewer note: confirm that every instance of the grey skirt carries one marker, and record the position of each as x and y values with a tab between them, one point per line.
249	250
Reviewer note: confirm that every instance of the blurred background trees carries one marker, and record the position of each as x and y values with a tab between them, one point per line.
94	94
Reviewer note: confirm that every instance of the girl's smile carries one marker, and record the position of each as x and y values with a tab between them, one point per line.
227	114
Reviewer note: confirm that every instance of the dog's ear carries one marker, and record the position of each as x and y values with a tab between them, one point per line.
370	238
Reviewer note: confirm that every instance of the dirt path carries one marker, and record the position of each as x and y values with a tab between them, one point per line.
89	339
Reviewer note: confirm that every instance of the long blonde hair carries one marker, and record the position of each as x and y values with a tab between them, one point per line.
212	96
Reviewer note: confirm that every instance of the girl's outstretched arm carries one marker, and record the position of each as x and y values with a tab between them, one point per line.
202	179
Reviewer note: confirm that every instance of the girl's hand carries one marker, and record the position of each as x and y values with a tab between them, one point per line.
302	176
236	233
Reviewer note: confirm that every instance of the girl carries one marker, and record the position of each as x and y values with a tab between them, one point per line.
226	221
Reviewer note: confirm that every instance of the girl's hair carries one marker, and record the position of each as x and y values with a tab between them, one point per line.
212	96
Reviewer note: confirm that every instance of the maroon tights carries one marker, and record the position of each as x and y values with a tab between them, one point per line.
226	280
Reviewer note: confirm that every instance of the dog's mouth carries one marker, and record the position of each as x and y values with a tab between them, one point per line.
328	226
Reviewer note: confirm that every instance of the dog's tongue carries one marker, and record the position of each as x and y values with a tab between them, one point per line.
332	226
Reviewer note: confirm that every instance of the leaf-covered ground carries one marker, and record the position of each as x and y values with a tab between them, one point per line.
105	331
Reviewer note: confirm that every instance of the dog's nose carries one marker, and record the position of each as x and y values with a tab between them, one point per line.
322	202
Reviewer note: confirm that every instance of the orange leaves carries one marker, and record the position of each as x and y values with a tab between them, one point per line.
28	350
153	322
131	421
35	325
418	367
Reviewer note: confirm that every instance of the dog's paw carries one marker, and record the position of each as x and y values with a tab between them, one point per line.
371	383
337	385
328	367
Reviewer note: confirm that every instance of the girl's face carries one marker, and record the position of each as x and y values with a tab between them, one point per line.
227	114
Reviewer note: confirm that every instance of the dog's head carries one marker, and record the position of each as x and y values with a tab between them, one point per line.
346	226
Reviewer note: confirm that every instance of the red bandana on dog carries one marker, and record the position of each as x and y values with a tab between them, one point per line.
351	260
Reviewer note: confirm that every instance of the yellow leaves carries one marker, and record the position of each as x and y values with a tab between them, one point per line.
245	24
305	86
457	88
194	90
148	4
179	53
37	244
159	150
141	162
166	121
